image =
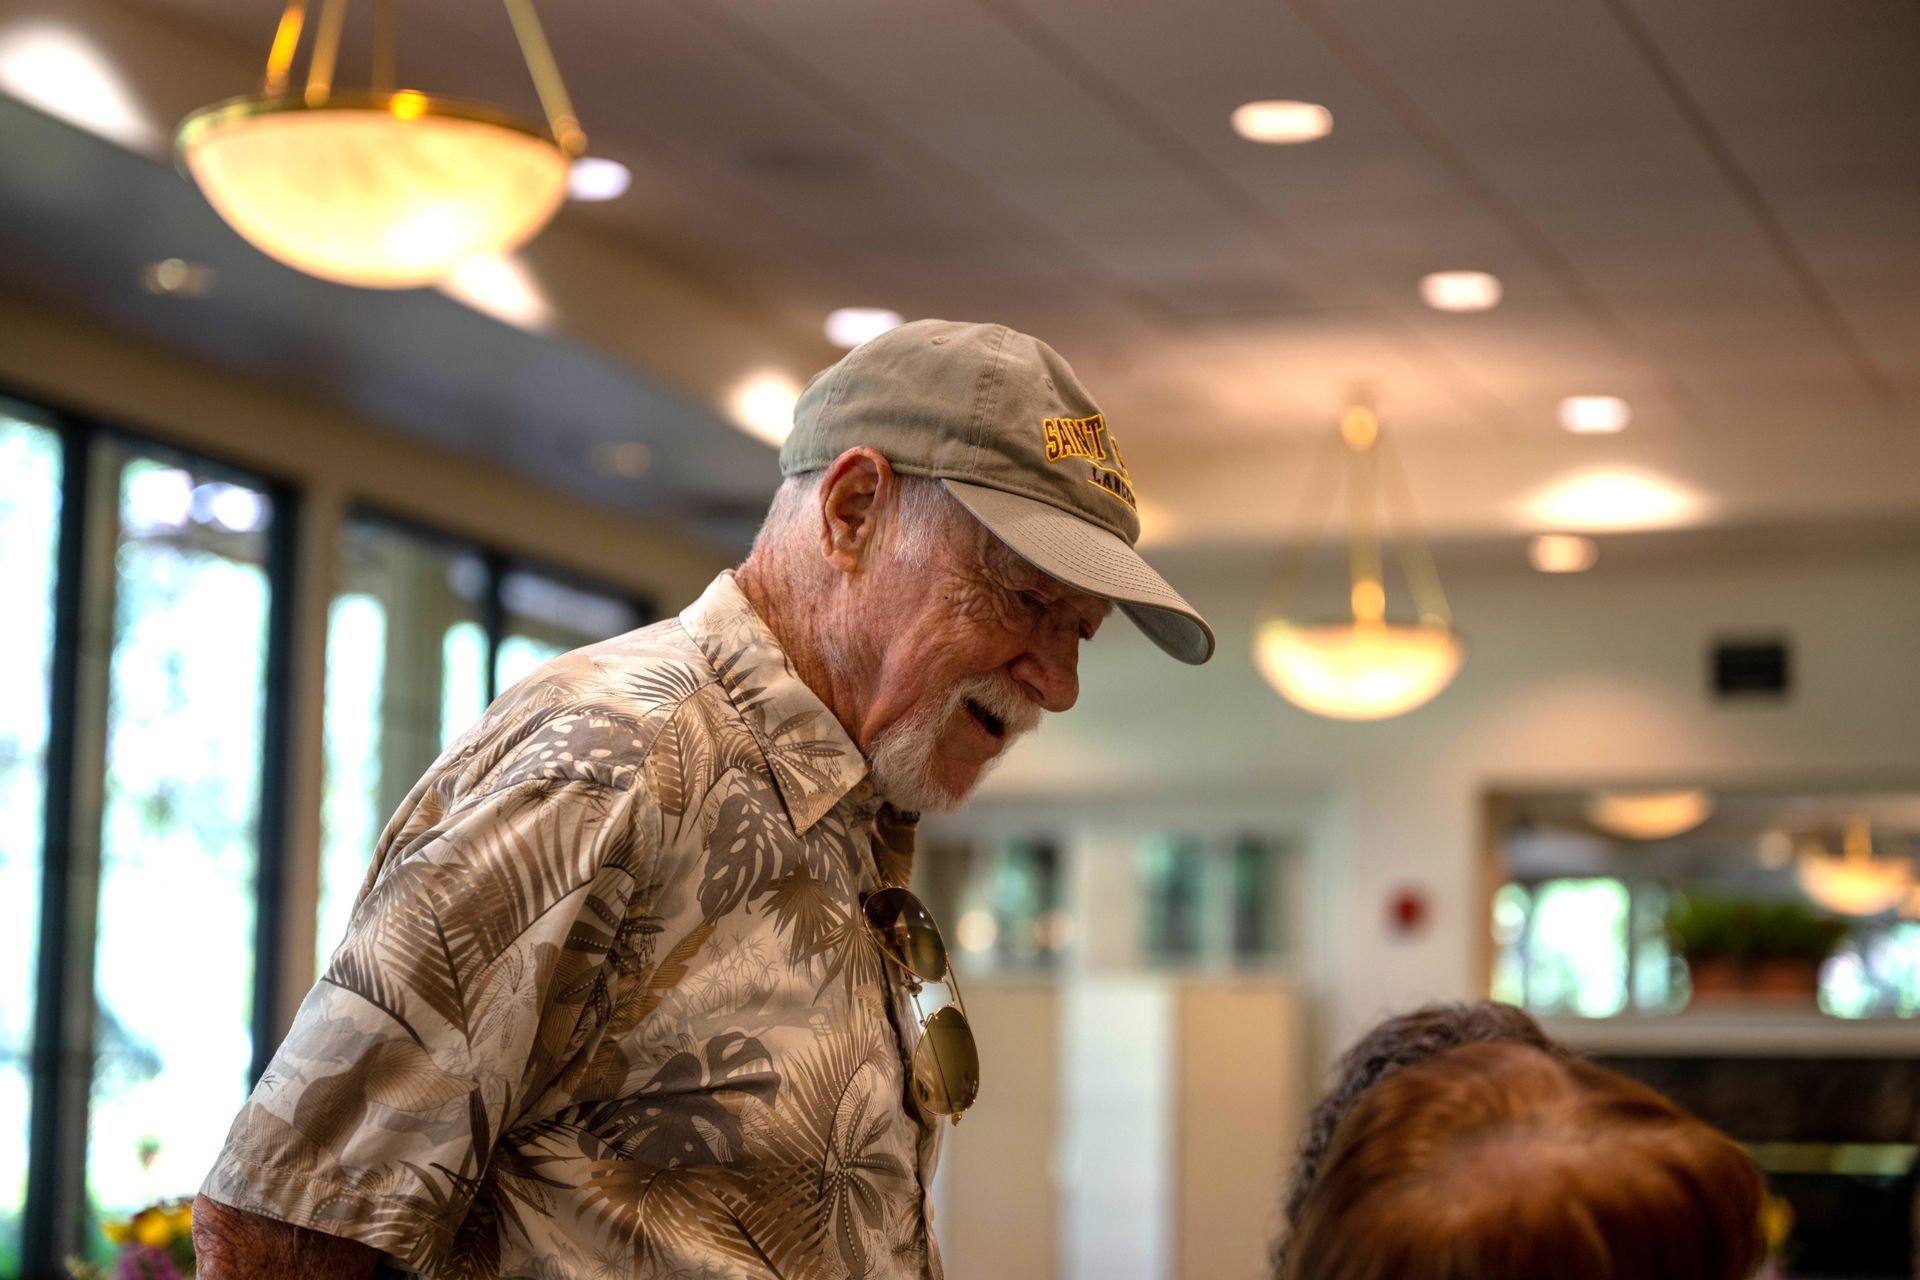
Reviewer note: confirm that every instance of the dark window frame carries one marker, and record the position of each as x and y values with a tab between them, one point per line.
498	562
55	1221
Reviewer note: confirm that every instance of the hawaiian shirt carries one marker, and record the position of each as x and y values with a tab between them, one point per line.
607	1007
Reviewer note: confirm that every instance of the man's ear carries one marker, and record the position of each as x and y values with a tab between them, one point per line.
858	486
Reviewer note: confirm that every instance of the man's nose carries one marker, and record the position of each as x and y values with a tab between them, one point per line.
1050	669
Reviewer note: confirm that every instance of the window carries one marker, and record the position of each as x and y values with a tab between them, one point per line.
406	675
408	661
180	834
144	679
139	771
1720	915
545	618
30	477
1874	973
1212	900
1010	917
1173	881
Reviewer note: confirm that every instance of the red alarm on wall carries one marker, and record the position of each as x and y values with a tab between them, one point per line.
1407	911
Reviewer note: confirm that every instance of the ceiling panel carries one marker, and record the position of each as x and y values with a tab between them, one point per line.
1820	114
1566	112
1711	209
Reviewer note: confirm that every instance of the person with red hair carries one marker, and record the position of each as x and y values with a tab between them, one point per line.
1509	1161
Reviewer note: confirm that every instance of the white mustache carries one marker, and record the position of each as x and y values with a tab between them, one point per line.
1015	711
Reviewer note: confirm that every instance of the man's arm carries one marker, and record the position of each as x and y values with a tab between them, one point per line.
233	1244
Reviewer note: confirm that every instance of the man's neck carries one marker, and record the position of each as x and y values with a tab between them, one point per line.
796	627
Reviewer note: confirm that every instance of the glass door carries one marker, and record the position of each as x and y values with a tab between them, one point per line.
30	476
180	852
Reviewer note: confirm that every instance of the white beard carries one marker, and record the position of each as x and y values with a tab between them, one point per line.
903	753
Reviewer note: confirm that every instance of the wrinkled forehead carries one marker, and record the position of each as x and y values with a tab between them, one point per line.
1006	567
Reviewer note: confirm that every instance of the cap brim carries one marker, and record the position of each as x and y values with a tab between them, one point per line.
1088	558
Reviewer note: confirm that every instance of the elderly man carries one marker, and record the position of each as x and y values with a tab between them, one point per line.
634	987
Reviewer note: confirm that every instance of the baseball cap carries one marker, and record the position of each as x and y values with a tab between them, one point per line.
999	418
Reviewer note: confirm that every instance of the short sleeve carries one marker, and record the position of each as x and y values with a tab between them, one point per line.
475	969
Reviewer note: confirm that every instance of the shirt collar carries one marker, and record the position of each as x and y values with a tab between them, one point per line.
814	763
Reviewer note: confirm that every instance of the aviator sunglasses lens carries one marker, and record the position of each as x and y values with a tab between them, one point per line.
906	930
946	1066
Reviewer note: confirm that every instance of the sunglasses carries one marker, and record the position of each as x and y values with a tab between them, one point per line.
946	1065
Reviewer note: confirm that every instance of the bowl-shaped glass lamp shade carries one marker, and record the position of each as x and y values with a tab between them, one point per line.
1357	670
384	191
1649	815
1855	886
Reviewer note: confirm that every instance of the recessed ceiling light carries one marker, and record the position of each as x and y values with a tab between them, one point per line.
1279	121
1616	498
1595	415
61	71
762	406
177	278
850	326
628	458
597	178
1562	553
1460	291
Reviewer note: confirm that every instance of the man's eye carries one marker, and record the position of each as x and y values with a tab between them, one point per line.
1030	601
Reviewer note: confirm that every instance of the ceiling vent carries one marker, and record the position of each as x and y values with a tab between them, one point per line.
1752	670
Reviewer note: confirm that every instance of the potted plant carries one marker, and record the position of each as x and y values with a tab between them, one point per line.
1747	948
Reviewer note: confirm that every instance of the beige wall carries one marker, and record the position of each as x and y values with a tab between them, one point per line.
999	1209
1242	1093
333	461
1155	1147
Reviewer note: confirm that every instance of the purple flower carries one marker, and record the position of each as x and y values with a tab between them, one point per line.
142	1263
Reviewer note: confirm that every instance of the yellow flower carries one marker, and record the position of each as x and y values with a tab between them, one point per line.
153	1228
117	1232
1776	1219
183	1218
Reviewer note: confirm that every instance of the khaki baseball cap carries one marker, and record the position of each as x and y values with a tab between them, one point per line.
999	418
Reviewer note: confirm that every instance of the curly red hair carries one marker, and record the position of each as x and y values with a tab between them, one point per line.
1502	1162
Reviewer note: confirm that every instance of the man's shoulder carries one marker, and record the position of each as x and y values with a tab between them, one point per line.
591	715
654	668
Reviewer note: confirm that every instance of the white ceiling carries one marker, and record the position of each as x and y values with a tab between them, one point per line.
1711	208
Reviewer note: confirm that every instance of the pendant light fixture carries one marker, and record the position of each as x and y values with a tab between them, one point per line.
1365	667
1857	881
380	187
1649	815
